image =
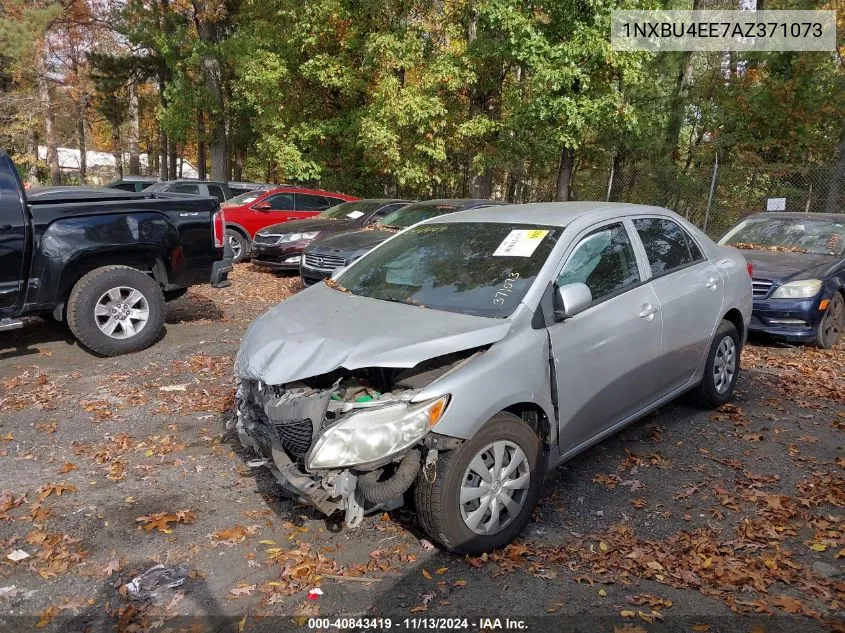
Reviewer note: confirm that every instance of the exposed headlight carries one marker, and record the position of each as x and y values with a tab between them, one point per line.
798	289
296	237
374	434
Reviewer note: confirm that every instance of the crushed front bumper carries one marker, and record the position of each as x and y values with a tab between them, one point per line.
794	320
280	427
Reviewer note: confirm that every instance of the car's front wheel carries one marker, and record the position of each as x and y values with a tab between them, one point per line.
722	368
483	493
833	323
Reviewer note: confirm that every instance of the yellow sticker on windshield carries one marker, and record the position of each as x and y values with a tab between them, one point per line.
520	243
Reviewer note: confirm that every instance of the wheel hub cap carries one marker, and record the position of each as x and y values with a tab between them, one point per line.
494	487
724	365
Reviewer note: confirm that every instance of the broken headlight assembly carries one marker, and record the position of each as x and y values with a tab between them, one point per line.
371	435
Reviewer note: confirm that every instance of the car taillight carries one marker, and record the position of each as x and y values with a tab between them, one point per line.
750	267
218	223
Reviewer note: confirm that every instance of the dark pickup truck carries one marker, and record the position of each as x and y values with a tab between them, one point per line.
104	260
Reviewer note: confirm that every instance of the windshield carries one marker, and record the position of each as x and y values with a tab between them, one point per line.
349	210
477	268
413	213
244	198
788	235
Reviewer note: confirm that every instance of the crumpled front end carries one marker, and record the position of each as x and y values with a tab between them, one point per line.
347	441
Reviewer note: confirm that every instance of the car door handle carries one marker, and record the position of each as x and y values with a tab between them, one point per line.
712	283
648	311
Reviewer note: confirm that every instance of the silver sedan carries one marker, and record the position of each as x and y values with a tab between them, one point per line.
468	355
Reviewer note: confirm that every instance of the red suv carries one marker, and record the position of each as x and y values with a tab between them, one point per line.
250	212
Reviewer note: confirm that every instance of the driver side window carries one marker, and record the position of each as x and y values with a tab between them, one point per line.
604	260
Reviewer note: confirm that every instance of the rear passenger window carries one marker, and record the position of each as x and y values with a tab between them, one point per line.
605	261
217	192
310	202
666	244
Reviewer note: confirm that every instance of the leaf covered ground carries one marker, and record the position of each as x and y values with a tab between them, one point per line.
691	520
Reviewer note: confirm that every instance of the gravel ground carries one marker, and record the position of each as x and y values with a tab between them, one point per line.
689	520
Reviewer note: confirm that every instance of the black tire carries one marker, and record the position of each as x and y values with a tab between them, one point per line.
239	244
438	501
832	324
172	295
706	393
86	295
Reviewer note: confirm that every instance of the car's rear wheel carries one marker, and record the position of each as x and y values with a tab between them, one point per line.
483	492
239	245
833	322
116	310
722	368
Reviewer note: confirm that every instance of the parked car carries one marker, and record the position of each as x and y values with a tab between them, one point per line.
219	190
280	246
238	187
469	354
799	274
325	255
103	260
133	183
249	213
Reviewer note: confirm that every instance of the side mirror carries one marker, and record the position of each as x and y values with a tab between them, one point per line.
572	299
262	206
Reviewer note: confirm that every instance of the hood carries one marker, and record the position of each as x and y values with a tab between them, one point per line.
309	224
783	267
364	239
320	329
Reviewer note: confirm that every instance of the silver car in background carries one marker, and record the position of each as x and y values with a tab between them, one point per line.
466	356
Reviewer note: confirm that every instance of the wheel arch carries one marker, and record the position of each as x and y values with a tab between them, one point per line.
735	316
142	259
534	416
240	229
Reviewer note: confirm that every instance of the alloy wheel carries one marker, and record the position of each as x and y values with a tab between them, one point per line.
121	312
494	487
236	245
724	365
834	320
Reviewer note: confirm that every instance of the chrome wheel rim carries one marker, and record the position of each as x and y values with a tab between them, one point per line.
494	487
235	244
724	365
121	312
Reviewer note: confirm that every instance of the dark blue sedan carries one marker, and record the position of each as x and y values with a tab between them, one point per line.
799	274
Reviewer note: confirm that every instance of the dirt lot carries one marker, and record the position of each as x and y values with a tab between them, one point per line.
688	520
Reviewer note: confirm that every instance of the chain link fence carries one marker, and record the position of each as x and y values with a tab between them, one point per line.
717	196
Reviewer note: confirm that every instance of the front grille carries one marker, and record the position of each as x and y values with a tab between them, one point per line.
323	262
296	436
760	288
266	239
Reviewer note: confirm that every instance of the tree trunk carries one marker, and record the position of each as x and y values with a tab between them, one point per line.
171	159
564	174
516	183
49	129
238	171
679	99
134	130
837	179
80	138
202	164
117	150
32	153
162	155
205	19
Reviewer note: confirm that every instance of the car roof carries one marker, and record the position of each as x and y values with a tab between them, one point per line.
464	203
135	178
383	200
298	189
193	181
797	215
549	213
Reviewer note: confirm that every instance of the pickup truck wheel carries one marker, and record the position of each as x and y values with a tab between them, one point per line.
833	323
115	310
722	368
239	244
483	492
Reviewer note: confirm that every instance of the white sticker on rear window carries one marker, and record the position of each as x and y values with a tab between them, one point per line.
354	214
520	243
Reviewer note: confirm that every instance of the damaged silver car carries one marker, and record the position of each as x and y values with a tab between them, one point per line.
466	356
